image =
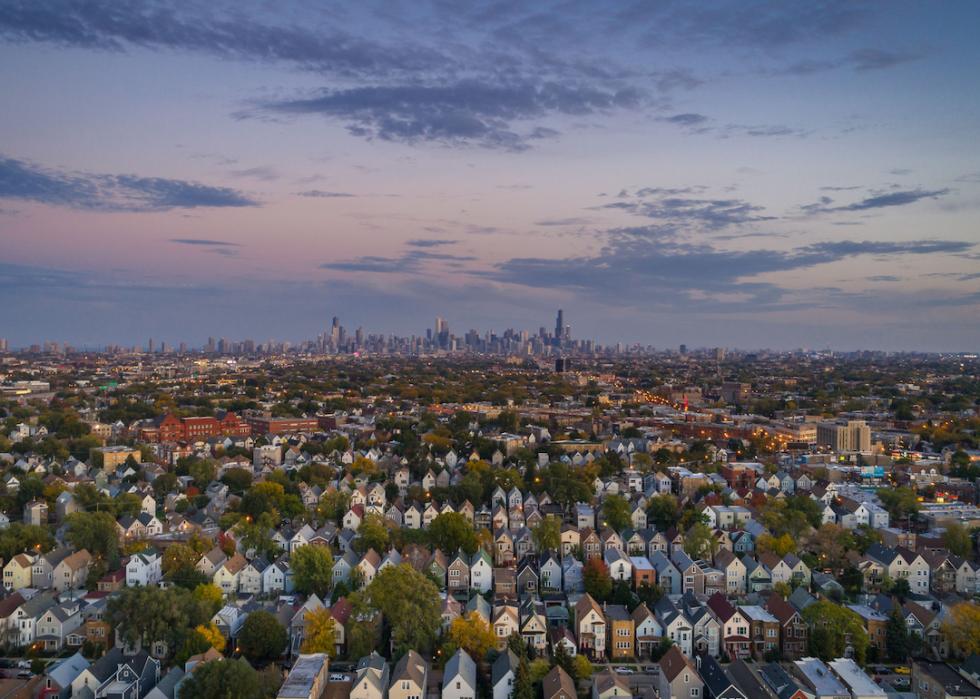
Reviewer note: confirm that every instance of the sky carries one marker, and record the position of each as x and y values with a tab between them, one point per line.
740	174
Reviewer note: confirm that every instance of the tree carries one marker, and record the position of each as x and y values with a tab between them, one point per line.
898	641
451	531
211	635
583	668
264	497
410	603
962	628
472	634
901	589
262	638
781	545
312	569
373	533
595	576
831	627
320	633
333	505
547	534
616	512
901	503
829	543
957	540
225	679
210	596
146	614
95	531
700	542
523	686
663	512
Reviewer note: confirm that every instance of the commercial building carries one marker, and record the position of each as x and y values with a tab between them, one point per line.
845	437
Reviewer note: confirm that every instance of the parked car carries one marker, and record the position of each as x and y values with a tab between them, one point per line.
623	670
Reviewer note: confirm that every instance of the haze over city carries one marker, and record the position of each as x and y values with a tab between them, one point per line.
731	174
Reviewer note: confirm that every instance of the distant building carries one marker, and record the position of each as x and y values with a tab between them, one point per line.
845	437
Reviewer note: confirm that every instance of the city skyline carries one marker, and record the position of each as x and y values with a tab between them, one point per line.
736	174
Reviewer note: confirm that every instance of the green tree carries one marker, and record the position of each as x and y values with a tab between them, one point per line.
898	642
523	687
663	511
616	512
831	627
312	570
225	679
262	638
95	531
373	533
547	534
699	541
901	503
410	604
957	540
451	531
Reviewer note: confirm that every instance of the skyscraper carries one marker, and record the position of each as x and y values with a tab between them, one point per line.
560	327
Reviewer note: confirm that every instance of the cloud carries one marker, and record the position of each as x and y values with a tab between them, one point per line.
466	112
264	173
204	241
670	205
884	278
686	119
696	277
880	59
859	60
876	201
408	263
570	221
94	192
320	194
113	26
429	242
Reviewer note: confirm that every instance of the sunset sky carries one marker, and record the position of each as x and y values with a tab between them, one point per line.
739	174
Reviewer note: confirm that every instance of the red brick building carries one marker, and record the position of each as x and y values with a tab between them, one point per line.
171	428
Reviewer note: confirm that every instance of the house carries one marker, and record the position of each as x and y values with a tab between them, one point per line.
734	570
717	683
17	572
167	687
620	567
676	627
763	630
502	675
59	675
793	631
117	675
902	563
622	632
934	680
608	684
55	624
505	623
781	684
227	574
855	679
558	684
534	625
679	678
372	678
459	677
590	627
821	681
307	679
647	631
734	627
72	571
481	571
143	569
410	677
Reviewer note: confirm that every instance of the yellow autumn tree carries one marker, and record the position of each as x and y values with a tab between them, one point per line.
962	628
320	633
778	545
212	635
472	634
